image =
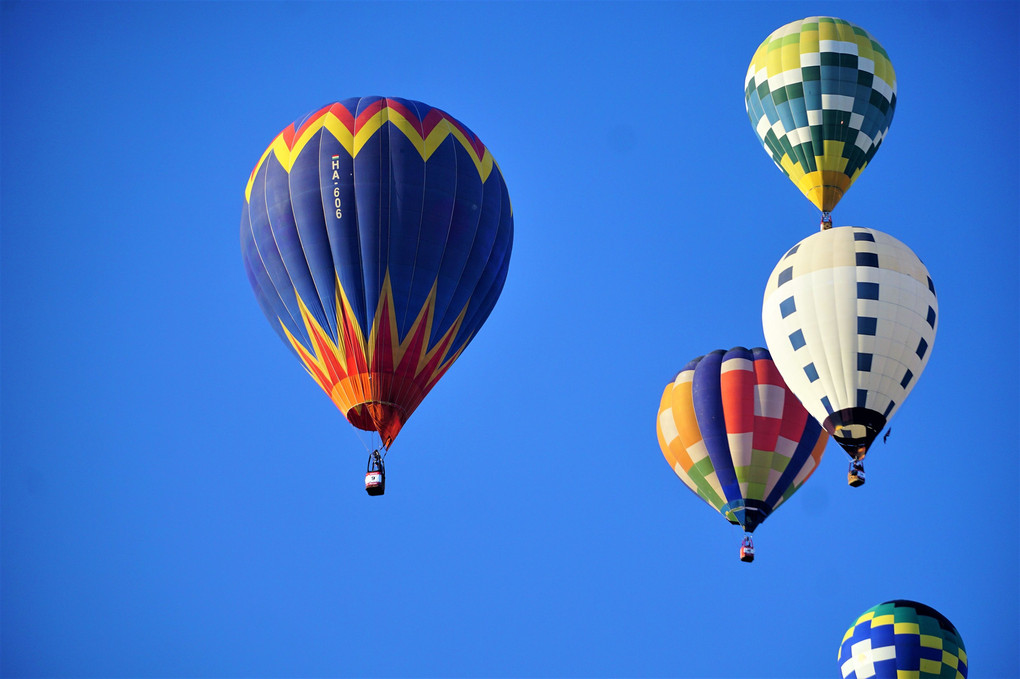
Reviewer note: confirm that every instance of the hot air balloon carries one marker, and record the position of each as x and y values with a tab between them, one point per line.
376	235
737	437
820	93
850	315
899	639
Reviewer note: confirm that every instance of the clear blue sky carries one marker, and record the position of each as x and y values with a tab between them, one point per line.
179	499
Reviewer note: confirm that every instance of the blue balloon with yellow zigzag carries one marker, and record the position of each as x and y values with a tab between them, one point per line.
376	234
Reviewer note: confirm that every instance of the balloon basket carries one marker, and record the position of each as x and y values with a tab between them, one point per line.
375	483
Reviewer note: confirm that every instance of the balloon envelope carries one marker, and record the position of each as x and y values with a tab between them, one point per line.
820	93
376	235
899	639
736	436
850	316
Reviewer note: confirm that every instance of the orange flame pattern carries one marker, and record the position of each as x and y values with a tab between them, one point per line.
379	381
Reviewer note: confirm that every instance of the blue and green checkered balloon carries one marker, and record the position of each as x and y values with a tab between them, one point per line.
820	93
902	639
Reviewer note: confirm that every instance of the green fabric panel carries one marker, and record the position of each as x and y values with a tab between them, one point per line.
929	626
806	152
710	497
703	467
779	462
756	491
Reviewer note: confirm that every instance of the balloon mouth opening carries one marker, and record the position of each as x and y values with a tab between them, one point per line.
380	416
824	188
854	429
746	513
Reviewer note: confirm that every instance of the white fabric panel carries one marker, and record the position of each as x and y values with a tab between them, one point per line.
864	142
837	46
698	451
770	483
740	448
769	400
736	363
667	426
810	59
838	102
883	88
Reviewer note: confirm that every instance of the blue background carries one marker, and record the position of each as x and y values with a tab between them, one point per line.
179	499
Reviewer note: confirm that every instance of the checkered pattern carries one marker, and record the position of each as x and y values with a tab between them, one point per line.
849	316
820	94
736	436
902	640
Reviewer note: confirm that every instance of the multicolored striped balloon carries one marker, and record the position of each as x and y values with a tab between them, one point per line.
850	316
902	639
376	234
820	93
736	435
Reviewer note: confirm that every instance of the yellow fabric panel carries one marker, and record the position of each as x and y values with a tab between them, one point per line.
675	452
931	641
832	156
790	55
867	616
808	40
663	446
792	168
880	620
906	628
682	402
774	62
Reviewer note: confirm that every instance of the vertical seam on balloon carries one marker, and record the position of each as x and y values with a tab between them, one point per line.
297	231
421	217
269	221
482	308
335	320
721	458
468	325
381	275
832	354
255	279
403	387
366	331
474	239
845	127
800	154
273	229
370	313
485	308
439	315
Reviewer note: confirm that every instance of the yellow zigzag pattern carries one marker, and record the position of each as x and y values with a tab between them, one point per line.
353	143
